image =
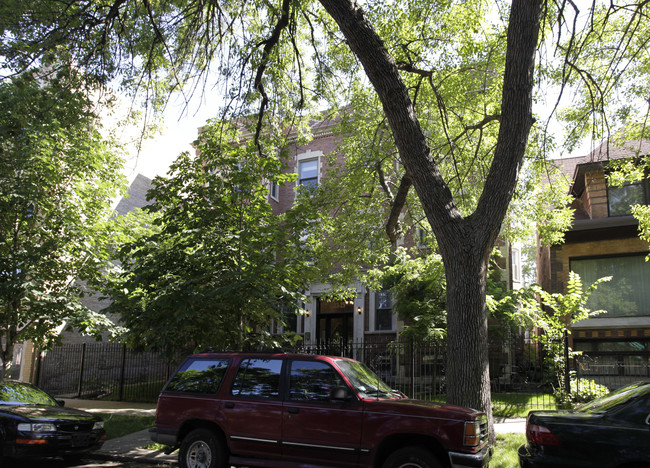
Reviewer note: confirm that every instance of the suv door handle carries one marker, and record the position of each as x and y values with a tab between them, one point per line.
293	410
229	404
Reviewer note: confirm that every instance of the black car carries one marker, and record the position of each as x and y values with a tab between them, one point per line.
612	431
35	425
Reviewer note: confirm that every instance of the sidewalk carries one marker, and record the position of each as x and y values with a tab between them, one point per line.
129	447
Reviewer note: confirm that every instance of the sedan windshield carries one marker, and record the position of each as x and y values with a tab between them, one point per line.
365	381
16	393
614	399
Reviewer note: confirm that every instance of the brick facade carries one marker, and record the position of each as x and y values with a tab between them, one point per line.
595	234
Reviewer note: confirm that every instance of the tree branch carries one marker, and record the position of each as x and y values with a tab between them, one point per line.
269	44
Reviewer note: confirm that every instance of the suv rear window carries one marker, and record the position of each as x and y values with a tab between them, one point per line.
258	378
199	376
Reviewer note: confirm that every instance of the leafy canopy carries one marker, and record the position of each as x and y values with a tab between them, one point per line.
58	177
217	266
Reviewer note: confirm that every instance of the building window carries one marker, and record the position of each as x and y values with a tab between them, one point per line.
384	311
422	237
308	172
627	294
602	359
621	199
274	191
516	264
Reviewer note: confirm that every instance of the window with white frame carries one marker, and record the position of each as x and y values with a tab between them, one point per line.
274	191
308	168
308	172
383	311
515	261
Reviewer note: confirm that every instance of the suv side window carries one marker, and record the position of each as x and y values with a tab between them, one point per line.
312	381
199	376
258	378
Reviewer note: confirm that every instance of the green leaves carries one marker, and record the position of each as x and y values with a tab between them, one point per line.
218	266
553	314
58	177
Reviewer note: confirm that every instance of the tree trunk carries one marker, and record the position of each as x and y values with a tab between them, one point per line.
7	356
467	370
465	243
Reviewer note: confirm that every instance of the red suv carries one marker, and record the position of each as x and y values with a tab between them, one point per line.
290	410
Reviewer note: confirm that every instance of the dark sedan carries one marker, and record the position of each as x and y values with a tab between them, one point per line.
612	431
35	425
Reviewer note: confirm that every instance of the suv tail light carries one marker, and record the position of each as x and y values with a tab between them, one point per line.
541	435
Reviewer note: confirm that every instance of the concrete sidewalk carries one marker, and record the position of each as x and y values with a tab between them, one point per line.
130	447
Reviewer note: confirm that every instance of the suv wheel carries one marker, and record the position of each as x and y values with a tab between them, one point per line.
201	448
411	457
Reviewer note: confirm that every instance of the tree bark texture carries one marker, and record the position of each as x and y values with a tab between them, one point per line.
465	243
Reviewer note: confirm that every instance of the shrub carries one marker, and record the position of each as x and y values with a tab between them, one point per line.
581	391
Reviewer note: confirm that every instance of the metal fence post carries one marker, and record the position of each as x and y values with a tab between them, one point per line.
412	366
120	393
81	370
567	378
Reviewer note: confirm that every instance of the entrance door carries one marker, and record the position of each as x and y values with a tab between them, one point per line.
335	325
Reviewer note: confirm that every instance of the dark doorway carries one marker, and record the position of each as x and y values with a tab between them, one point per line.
335	322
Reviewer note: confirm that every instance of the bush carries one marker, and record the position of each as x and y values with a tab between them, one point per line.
582	391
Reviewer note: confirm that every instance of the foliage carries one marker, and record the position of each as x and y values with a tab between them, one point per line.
581	391
418	289
606	65
441	96
58	177
217	266
553	314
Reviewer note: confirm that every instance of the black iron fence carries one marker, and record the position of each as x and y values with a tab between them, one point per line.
417	368
611	370
103	370
414	368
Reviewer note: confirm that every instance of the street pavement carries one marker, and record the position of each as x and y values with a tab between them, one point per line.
129	450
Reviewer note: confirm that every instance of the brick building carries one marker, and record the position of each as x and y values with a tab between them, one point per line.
369	316
604	241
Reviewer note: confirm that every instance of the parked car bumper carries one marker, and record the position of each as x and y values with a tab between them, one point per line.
529	460
51	446
163	437
467	460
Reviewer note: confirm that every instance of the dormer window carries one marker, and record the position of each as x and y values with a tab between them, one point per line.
621	199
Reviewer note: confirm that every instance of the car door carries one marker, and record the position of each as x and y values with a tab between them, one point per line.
316	429
253	411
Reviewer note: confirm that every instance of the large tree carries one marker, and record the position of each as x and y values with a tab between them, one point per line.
454	80
216	266
58	178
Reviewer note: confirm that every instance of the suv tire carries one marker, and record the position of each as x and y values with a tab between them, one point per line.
411	457
201	448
